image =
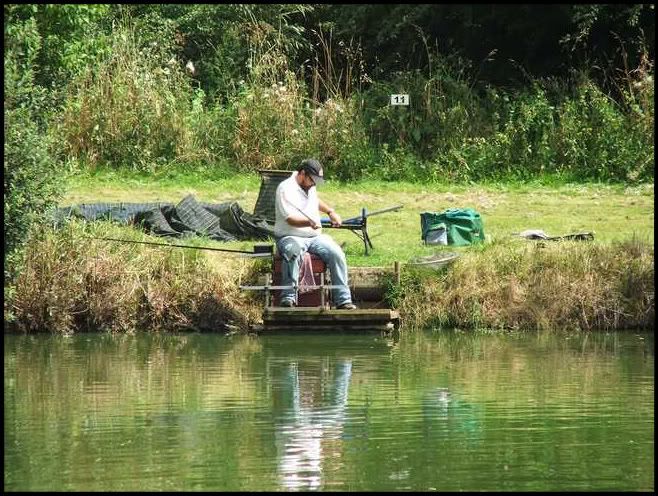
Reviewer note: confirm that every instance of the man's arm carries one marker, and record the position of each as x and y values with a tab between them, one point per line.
299	221
293	215
336	221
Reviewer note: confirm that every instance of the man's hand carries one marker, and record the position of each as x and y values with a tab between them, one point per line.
335	219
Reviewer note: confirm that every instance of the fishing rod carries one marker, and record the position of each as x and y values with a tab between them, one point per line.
300	211
258	251
352	220
365	213
303	213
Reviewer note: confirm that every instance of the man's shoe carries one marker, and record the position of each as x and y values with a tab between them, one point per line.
287	303
346	306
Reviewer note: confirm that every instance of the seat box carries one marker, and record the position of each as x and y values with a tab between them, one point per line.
310	298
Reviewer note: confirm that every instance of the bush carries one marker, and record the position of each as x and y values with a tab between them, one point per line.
131	109
520	146
31	181
578	135
277	126
443	110
73	282
31	175
597	140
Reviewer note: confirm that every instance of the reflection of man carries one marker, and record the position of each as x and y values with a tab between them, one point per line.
298	229
305	427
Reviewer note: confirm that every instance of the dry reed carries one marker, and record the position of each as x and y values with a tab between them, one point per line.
566	285
71	282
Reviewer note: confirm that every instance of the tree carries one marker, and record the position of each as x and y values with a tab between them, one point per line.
31	176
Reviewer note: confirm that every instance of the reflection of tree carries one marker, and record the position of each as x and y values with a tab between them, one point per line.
310	431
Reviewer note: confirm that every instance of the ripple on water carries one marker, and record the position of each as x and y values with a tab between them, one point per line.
453	413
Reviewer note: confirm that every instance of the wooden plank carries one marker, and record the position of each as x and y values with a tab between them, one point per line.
360	325
325	320
314	319
316	312
328	325
389	326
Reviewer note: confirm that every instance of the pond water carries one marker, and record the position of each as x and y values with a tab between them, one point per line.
429	411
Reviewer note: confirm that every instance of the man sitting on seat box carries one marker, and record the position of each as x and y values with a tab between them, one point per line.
298	229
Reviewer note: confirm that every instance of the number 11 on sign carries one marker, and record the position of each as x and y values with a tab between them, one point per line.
399	99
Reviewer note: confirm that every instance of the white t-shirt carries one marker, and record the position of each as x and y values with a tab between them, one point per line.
289	195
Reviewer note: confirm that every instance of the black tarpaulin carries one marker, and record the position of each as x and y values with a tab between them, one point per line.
218	221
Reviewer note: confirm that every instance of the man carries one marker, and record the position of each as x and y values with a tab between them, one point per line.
298	229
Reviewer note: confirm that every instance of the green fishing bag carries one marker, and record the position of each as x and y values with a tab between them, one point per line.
463	226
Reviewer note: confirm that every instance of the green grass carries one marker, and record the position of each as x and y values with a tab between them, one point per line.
613	212
73	282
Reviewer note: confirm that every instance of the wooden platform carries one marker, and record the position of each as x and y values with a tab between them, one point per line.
313	319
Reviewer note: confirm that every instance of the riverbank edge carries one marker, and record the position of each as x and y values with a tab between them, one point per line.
73	283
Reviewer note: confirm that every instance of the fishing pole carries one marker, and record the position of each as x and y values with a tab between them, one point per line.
257	252
300	211
351	220
303	213
366	214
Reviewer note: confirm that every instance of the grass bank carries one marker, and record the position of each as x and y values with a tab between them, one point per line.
614	212
515	285
72	283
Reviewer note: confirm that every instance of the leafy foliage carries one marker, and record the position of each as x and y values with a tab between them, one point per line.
31	175
71	37
130	110
262	86
220	39
528	38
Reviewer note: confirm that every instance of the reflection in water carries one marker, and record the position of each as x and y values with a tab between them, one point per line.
445	410
309	430
436	411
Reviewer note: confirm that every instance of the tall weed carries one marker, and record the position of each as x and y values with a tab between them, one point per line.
73	282
441	113
136	109
565	285
519	146
596	140
278	125
130	109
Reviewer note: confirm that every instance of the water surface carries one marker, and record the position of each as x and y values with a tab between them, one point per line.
431	411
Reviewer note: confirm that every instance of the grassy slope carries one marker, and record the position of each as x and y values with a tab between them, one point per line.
74	282
612	212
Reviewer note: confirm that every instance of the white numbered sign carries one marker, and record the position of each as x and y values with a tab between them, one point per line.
399	99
